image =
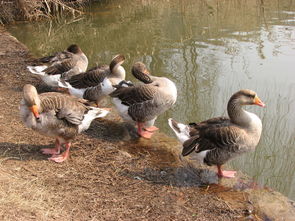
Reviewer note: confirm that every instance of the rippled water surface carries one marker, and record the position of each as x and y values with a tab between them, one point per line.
211	49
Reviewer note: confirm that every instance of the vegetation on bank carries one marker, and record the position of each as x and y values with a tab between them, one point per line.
29	10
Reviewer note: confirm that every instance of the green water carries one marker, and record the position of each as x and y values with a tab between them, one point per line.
210	49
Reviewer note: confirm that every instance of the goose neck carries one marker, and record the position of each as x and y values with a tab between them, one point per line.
237	114
118	72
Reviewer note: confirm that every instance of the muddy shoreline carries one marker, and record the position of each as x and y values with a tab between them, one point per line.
111	174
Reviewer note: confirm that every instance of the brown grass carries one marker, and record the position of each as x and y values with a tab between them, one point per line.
16	10
111	174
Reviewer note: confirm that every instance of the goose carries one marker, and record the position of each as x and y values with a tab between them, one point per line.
97	82
56	115
217	140
63	65
142	103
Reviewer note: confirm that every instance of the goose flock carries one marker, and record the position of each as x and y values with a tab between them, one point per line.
65	115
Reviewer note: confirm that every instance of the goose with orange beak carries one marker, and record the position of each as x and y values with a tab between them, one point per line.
57	115
217	140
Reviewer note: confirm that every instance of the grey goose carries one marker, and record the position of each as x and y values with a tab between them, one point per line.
61	65
217	140
56	115
143	102
97	82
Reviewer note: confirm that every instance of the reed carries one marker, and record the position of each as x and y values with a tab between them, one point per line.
32	10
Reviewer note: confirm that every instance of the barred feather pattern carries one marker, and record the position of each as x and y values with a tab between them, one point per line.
60	115
220	139
90	78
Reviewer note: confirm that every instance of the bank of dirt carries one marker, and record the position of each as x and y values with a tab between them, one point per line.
111	174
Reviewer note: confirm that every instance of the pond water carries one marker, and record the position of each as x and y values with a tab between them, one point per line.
210	49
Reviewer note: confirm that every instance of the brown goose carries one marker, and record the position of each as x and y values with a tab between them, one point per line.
56	115
217	140
97	82
63	65
142	103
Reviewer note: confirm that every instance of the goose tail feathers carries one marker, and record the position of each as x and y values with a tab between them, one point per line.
37	69
180	130
63	84
92	114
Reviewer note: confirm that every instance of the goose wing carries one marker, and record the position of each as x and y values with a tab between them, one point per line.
66	108
217	133
91	78
62	66
135	94
140	100
58	56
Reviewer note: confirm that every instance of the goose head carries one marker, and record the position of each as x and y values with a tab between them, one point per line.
75	49
140	72
237	101
31	99
246	97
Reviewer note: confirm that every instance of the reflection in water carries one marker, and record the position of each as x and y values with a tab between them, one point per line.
211	49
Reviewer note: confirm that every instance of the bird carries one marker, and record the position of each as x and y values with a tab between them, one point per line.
217	140
57	115
97	82
61	65
143	102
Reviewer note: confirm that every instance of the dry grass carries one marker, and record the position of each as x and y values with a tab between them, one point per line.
111	174
15	10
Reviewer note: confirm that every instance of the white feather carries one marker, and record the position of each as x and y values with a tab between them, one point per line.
90	116
122	109
150	122
64	84
183	135
107	87
173	89
37	69
200	156
77	92
51	80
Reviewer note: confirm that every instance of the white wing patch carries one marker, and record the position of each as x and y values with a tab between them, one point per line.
183	135
90	116
122	109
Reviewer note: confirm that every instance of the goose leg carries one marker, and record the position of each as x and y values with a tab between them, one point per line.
142	132
224	173
55	150
61	157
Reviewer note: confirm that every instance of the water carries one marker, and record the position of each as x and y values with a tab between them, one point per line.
211	49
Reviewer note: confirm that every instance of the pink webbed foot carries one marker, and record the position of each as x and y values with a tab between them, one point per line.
151	129
146	134
143	132
61	157
227	174
50	151
58	158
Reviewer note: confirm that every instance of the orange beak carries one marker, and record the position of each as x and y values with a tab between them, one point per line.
34	110
258	102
